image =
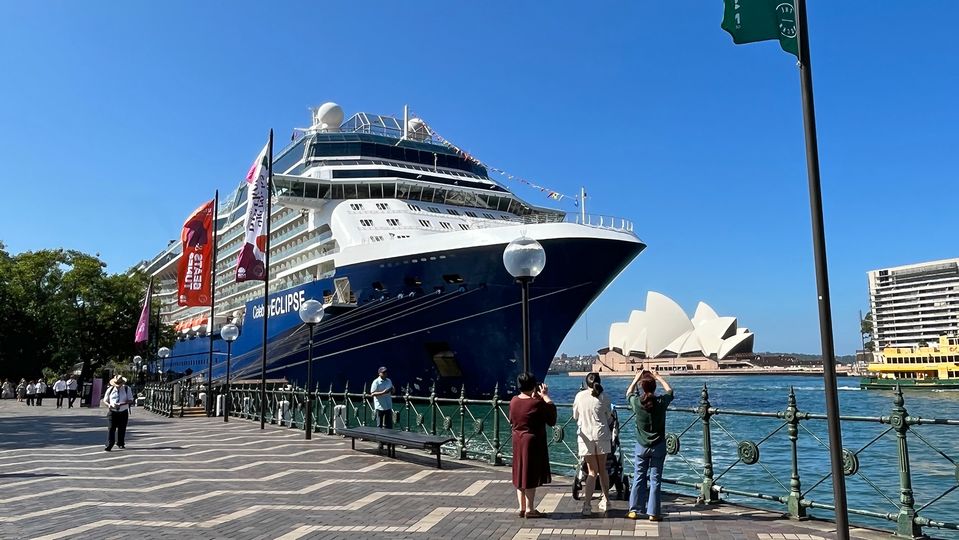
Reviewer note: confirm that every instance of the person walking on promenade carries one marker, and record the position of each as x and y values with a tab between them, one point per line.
60	390
41	391
118	398
650	411
382	390
530	412
7	389
22	390
31	392
71	391
592	411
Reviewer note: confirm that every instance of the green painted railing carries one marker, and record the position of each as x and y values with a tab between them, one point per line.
716	454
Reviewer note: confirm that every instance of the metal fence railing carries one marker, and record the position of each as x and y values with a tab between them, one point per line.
778	458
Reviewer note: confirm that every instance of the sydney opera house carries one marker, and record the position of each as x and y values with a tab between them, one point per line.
664	338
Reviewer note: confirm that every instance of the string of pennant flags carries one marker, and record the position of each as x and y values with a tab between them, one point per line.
550	193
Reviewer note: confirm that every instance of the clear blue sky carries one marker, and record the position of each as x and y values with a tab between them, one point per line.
118	119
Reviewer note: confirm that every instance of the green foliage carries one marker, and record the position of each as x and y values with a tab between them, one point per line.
61	308
866	326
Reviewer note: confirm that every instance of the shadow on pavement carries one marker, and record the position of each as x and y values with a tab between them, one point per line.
24	432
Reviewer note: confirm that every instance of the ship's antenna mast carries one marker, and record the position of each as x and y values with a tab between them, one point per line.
406	122
582	202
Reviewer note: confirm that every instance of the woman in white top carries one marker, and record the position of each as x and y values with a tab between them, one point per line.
592	411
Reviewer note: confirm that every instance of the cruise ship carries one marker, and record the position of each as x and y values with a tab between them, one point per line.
401	235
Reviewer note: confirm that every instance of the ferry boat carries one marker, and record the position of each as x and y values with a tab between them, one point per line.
401	235
931	367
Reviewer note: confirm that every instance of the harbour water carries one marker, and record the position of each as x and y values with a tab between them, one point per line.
875	487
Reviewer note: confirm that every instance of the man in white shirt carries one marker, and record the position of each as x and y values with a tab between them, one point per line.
382	389
41	391
71	391
60	390
118	398
31	392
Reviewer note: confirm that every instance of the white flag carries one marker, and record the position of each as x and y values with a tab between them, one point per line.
251	264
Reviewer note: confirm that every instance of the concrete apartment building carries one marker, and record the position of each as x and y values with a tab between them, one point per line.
915	302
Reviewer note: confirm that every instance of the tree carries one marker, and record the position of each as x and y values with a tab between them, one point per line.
62	308
866	329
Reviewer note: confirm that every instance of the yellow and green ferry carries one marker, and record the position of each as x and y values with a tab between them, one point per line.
931	367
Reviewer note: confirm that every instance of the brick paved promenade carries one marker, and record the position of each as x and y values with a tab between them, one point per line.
204	479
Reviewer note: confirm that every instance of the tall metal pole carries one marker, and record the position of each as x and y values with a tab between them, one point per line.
524	285
266	284
212	331
822	277
226	382
309	386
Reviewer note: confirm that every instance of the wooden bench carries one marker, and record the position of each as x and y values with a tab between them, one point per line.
390	438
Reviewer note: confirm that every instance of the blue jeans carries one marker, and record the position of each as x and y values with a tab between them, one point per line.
649	468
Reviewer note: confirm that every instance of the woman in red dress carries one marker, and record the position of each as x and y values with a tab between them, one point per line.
530	412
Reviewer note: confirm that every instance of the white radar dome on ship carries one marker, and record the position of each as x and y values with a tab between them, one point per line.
418	129
328	117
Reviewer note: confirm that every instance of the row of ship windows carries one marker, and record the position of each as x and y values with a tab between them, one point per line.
393	222
380	238
435	210
921	360
921	375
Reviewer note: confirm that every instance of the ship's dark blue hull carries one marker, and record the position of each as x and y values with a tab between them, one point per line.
453	320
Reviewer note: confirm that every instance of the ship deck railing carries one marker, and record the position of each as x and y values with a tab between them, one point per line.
590	220
903	468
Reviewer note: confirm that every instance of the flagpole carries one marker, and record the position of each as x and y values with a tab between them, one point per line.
266	283
822	277
209	373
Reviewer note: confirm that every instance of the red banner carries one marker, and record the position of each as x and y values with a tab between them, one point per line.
193	271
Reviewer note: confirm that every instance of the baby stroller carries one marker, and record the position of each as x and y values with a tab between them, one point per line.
614	468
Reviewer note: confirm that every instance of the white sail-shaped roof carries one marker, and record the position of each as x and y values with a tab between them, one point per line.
663	329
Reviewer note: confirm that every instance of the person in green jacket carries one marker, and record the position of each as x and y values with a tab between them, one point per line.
650	410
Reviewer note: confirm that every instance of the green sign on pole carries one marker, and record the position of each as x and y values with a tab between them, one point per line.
760	20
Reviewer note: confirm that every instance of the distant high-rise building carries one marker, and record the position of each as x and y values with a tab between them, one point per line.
914	303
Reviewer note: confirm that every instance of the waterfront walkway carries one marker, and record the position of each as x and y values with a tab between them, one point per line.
203	478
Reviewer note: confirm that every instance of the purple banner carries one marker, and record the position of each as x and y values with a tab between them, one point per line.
143	327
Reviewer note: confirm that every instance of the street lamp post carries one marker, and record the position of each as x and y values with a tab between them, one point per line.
229	333
163	353
311	313
524	258
137	362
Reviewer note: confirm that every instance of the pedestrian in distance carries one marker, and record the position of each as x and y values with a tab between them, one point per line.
31	392
60	390
71	391
41	388
530	412
22	390
118	398
7	392
382	389
592	412
650	411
